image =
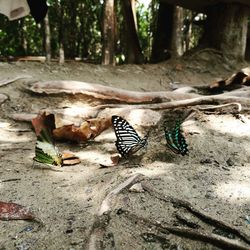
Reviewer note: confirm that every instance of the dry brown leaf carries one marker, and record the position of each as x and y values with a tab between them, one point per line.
43	121
232	82
89	129
70	159
114	160
13	211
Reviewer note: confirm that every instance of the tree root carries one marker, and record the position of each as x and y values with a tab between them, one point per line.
212	99
102	217
105	206
193	234
189	207
215	107
105	92
3	98
174	99
4	82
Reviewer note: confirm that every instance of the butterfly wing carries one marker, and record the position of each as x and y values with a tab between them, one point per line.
176	141
128	141
46	152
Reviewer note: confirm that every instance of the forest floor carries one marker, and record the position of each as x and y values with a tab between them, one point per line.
157	214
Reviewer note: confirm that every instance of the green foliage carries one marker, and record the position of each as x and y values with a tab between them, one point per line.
77	26
144	17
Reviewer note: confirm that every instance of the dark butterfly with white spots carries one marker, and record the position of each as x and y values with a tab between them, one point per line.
176	141
128	141
46	152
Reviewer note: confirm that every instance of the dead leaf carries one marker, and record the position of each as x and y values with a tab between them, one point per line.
89	129
234	81
70	159
13	211
43	121
114	160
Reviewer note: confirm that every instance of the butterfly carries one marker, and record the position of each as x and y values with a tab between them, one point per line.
175	140
46	152
128	141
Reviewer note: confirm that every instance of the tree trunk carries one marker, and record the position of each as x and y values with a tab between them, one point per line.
24	43
177	37
61	36
108	33
61	53
162	35
227	32
247	54
133	50
133	6
47	39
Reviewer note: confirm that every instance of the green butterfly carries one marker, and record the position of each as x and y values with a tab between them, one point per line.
46	151
175	140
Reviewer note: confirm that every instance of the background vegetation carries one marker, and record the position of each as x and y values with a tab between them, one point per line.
76	31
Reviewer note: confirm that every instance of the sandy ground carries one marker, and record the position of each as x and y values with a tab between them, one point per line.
214	177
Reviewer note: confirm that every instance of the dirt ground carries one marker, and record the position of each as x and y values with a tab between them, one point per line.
213	178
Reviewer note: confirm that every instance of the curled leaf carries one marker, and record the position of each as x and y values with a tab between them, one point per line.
70	159
112	162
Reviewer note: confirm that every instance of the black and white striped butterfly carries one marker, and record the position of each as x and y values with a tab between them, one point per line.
128	141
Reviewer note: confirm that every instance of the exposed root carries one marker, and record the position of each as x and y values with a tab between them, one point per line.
105	206
193	234
212	99
4	82
188	206
216	107
102	218
99	91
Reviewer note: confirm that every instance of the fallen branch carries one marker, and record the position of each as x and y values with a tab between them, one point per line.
7	81
193	234
187	205
105	92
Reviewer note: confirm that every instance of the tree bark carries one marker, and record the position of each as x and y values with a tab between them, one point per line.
108	33
162	35
134	51
23	31
227	32
61	36
177	37
47	39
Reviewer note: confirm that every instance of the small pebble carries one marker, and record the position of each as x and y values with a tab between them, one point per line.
137	188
